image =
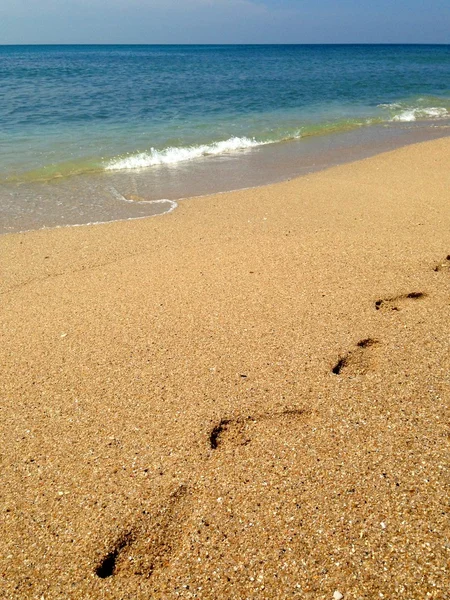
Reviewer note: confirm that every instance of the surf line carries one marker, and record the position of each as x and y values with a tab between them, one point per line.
118	196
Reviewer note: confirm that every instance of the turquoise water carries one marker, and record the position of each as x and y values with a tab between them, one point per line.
80	110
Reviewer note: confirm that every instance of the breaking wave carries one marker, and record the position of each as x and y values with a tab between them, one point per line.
421	113
404	113
173	155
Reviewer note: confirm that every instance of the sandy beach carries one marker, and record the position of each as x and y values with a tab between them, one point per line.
245	398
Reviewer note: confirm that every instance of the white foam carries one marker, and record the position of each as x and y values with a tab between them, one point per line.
412	114
172	204
393	105
173	155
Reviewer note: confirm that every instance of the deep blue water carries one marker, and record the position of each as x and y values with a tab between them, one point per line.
66	109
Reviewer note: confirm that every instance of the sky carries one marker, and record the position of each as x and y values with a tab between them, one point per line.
223	21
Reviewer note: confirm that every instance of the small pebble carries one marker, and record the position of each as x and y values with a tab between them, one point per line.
337	595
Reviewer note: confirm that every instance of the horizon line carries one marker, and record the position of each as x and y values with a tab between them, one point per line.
229	44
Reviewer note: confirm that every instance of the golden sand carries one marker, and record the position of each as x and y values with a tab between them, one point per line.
246	398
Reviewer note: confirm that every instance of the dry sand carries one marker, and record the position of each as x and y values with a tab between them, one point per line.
247	398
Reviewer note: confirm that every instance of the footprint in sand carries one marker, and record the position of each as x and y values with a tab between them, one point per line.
150	542
358	361
443	266
396	302
239	431
361	359
154	539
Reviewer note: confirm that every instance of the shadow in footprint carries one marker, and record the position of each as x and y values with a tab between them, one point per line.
150	543
153	540
396	302
107	565
360	360
443	266
238	431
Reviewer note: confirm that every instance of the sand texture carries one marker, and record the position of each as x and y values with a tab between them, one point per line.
246	398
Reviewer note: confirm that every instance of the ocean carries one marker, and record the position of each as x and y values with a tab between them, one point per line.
99	133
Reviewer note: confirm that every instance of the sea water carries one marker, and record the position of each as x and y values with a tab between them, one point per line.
98	133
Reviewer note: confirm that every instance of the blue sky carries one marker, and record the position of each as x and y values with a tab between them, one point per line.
224	21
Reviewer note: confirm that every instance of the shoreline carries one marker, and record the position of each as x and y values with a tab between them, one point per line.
209	175
245	398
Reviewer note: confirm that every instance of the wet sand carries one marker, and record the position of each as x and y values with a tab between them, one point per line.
245	398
